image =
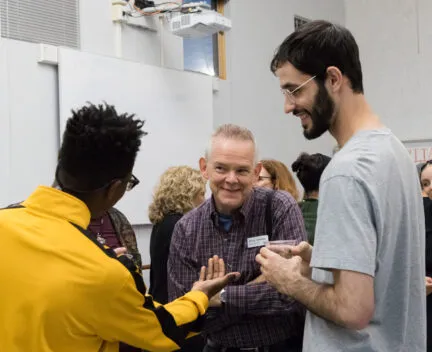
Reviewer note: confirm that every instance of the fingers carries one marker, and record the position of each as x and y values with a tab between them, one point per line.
304	246
120	250
210	269
215	266
260	259
221	267
267	253
283	251
232	277
227	279
212	287
202	275
303	249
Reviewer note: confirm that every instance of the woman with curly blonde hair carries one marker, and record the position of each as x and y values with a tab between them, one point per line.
275	175
180	189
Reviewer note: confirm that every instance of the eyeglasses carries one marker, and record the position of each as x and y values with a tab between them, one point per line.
133	181
290	95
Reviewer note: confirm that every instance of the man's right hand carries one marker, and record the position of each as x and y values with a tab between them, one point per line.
302	250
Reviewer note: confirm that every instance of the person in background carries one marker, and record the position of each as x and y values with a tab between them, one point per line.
426	179
275	175
425	175
62	290
114	230
234	224
308	169
419	167
180	189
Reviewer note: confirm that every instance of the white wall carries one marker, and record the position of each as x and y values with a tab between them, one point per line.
161	48
29	121
395	45
256	101
395	41
249	97
98	35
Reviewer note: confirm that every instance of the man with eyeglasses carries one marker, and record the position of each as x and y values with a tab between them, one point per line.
363	281
61	289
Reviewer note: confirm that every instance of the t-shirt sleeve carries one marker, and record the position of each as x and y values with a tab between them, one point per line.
345	235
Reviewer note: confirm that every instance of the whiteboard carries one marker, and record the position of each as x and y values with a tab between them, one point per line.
5	126
28	121
177	107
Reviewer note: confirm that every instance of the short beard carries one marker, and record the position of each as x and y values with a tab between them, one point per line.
322	113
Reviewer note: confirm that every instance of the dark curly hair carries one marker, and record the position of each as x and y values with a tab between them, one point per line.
99	145
309	169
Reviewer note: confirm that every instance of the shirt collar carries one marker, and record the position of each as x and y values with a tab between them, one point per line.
59	204
243	211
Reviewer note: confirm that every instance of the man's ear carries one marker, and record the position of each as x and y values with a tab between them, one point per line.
334	78
257	171
203	167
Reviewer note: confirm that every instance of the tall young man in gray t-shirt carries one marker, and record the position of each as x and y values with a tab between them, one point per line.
363	281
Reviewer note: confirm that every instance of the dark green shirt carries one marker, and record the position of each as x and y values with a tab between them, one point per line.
309	208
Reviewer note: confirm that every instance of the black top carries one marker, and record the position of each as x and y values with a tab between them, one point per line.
160	241
428	222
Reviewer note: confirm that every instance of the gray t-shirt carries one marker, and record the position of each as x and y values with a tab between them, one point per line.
371	220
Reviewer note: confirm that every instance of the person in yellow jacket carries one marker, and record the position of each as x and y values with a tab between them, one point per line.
62	290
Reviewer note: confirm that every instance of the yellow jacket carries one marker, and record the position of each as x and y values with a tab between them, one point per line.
60	292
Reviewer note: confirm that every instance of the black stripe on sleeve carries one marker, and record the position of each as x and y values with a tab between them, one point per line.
14	206
171	330
167	322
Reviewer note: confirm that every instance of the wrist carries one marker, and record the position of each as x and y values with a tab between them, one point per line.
222	296
291	286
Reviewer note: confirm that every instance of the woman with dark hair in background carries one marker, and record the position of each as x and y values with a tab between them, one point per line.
275	175
308	169
425	174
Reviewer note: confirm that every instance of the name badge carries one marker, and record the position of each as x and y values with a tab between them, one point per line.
258	241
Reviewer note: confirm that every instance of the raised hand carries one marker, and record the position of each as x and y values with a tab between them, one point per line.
213	279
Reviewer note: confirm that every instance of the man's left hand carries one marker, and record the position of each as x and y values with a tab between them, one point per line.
279	272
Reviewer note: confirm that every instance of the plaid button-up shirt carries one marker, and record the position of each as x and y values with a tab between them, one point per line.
252	315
